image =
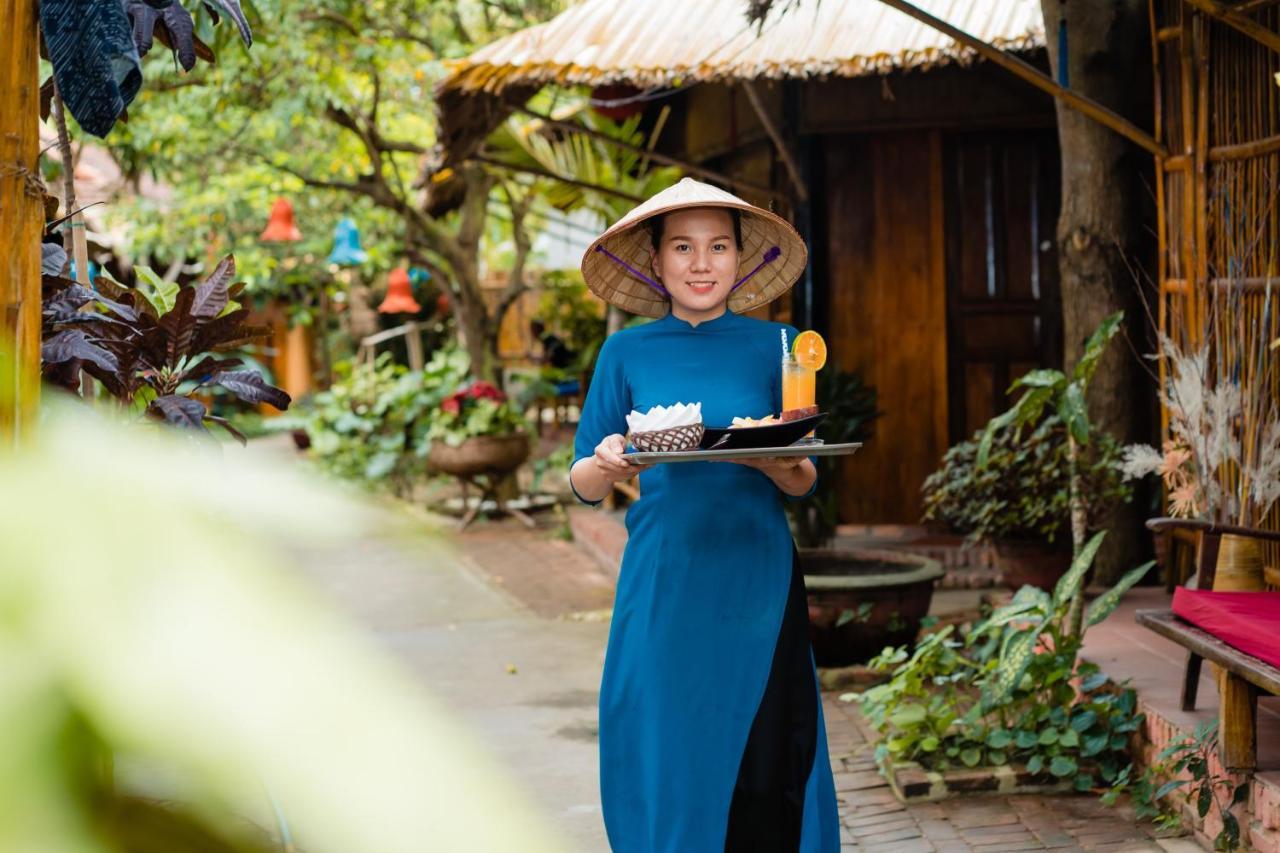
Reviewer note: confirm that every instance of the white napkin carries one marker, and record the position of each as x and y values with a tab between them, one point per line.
665	417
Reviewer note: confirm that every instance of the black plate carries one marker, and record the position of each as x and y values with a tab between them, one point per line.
775	435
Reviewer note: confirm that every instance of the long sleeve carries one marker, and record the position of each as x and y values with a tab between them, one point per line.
605	411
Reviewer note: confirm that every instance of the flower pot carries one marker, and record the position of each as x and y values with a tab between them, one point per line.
484	454
861	600
1240	564
1031	563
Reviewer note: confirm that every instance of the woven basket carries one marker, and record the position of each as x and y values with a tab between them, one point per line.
668	440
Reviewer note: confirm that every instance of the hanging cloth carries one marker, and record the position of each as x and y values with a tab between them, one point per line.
95	61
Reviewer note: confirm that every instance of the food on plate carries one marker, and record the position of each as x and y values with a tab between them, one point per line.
767	420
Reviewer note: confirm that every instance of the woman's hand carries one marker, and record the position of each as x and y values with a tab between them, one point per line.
593	476
792	475
611	462
771	465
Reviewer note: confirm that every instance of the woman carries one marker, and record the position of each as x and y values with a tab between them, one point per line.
711	732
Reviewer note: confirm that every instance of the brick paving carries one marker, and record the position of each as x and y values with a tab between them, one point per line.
542	571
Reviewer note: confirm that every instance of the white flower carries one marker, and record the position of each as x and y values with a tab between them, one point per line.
1140	460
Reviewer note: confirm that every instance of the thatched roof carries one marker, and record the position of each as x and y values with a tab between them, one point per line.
660	43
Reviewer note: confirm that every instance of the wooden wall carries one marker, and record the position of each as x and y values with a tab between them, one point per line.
886	252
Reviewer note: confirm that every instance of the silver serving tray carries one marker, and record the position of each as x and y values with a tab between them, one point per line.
790	451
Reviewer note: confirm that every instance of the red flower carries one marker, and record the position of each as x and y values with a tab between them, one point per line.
485	391
452	404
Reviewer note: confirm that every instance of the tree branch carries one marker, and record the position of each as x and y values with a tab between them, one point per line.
516	285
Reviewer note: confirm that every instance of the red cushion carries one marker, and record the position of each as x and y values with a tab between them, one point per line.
1248	621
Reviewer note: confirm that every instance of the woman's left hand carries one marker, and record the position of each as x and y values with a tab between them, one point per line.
771	465
792	475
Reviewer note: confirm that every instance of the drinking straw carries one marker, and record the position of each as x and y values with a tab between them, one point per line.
785	350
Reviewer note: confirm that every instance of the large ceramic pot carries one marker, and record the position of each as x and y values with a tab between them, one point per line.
484	454
861	600
1031	563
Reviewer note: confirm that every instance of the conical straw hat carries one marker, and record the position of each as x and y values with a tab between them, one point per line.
768	273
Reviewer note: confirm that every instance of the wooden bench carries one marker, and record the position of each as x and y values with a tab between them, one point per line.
1244	676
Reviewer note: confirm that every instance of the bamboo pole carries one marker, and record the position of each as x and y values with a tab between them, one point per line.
1238	21
21	221
1036	78
793	168
1162	223
74	239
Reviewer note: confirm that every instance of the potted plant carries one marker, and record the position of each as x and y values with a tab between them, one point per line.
1020	499
477	430
370	425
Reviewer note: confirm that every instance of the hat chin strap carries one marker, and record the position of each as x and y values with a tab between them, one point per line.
769	257
635	272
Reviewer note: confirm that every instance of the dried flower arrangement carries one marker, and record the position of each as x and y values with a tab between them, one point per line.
1221	460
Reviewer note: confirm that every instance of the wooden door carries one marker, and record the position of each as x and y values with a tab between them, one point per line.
885	250
1003	308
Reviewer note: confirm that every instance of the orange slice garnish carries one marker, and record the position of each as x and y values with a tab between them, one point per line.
810	350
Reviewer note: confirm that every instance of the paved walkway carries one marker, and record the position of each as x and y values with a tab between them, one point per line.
508	626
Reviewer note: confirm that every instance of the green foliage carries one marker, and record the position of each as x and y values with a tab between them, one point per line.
156	348
850	405
479	409
586	158
1193	756
356	433
376	422
168	677
1023	490
1003	693
231	137
1053	391
569	310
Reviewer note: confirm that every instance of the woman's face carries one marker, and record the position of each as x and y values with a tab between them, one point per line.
697	258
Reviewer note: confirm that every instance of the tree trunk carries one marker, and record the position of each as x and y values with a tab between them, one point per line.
472	319
1099	227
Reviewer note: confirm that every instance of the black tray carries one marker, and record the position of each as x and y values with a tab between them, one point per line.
774	435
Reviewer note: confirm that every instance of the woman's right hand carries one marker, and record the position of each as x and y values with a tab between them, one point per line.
611	462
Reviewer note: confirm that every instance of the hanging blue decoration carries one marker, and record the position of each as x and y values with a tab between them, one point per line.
419	275
93	271
346	245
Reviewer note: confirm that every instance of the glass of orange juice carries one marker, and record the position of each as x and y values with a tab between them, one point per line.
798	385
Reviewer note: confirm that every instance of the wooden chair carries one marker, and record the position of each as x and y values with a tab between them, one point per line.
1246	675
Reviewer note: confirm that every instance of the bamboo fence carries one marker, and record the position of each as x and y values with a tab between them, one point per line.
1217	111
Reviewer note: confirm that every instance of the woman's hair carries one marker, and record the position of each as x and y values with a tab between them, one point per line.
656	224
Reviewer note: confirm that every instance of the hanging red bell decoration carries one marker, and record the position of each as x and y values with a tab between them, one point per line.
616	101
442	304
399	294
281	227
